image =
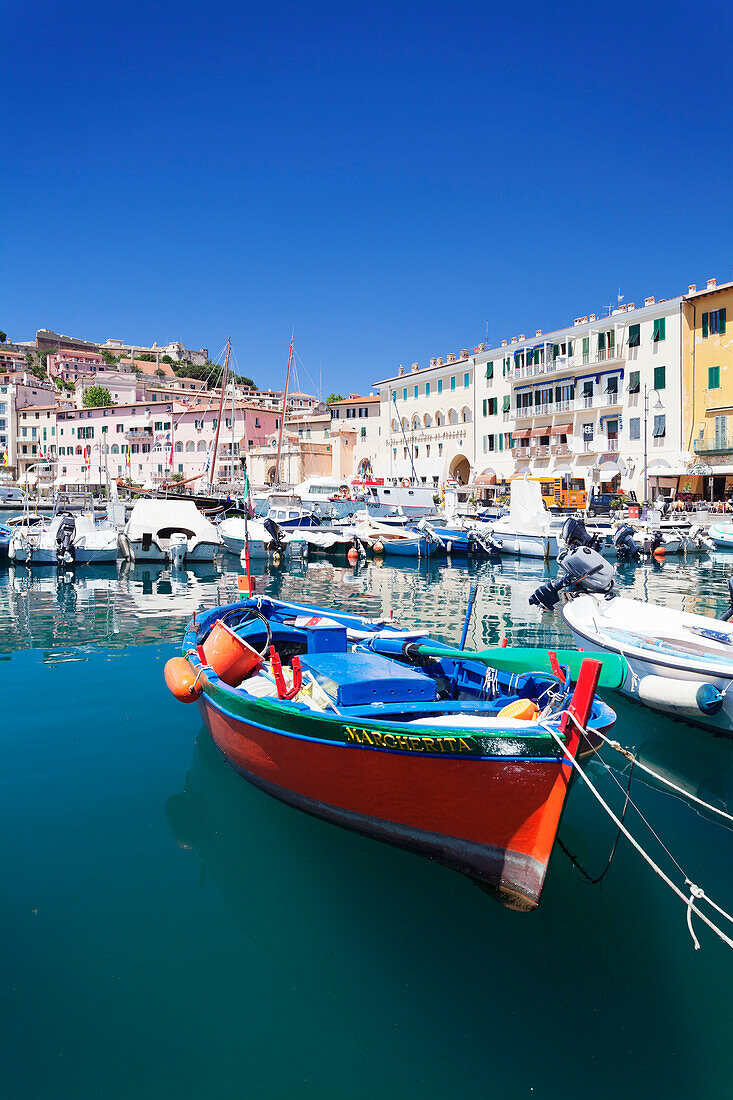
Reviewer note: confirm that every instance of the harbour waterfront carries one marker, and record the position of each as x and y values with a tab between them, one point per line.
168	928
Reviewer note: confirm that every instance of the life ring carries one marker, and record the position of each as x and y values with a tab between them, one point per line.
405	483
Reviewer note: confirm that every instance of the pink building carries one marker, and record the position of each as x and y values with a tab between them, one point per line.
149	441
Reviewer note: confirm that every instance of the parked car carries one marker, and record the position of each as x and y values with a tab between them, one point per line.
602	504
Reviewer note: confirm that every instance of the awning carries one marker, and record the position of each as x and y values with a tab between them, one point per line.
562	429
563	468
486	478
523	433
658	467
537	432
609	469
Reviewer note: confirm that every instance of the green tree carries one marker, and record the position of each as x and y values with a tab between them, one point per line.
96	396
108	356
146	357
167	359
334	397
159	373
3	337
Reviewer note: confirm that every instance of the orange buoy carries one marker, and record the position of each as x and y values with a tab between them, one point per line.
180	680
523	710
378	548
660	552
352	556
229	655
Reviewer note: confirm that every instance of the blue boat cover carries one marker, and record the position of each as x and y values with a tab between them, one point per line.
353	679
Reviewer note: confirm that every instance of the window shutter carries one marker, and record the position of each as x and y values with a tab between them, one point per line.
660	378
713	378
484	406
501	441
704	325
721	323
489	370
586	345
659	426
557	393
601	341
505	403
634	381
634	336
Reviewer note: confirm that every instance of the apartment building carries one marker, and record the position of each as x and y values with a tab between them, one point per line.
360	415
708	390
574	403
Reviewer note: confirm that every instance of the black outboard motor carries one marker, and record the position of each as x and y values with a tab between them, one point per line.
728	613
65	550
276	533
575	534
584	570
627	549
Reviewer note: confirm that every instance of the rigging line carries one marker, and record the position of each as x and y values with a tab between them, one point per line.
574	860
663	779
695	891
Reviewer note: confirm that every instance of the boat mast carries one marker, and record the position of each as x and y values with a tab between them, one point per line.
282	418
221	406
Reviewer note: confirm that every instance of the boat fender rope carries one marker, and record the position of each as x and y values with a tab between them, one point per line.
689	902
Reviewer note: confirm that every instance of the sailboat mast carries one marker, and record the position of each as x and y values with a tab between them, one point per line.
221	406
282	418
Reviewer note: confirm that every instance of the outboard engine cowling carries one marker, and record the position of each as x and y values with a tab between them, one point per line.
276	534
728	613
627	549
575	533
65	532
584	570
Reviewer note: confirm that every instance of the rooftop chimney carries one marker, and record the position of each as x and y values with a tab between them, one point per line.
630	306
401	371
503	343
514	339
522	336
649	301
712	284
414	367
592	317
440	361
692	288
464	353
450	357
433	362
538	332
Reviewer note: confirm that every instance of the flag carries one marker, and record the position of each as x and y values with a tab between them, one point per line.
6	461
88	455
127	458
170	460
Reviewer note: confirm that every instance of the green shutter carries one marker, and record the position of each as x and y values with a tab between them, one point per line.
704	325
634	336
557	394
660	326
634	381
505	403
555	351
713	378
501	441
601	341
660	380
570	347
440	385
586	345
489	370
721	322
484	407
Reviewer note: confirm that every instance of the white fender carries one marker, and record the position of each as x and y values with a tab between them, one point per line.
685	697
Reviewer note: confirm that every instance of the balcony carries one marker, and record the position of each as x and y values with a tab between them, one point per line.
560	449
540	452
712	447
609	356
612	444
139	435
522	452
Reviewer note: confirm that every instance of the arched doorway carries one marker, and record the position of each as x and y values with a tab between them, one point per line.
460	469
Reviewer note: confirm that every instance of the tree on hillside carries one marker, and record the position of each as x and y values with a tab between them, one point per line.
3	337
96	396
334	397
108	356
146	357
159	373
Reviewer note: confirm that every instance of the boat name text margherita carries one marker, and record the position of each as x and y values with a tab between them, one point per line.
408	743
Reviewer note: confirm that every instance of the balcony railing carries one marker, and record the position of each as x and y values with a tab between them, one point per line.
712	447
611	444
579	404
522	452
558	449
539	452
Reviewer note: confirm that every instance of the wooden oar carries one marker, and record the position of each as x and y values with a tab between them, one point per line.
518	659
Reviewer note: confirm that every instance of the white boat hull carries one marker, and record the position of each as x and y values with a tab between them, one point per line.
527	546
657	642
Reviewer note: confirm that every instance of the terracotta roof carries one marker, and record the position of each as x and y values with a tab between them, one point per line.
354	400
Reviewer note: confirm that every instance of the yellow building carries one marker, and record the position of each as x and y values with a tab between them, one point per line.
707	391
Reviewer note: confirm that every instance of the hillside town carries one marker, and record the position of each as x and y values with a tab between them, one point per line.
634	402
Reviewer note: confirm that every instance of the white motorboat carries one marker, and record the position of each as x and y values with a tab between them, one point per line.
64	540
234	534
722	535
168	530
529	530
680	664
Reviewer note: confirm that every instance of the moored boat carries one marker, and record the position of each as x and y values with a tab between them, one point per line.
359	724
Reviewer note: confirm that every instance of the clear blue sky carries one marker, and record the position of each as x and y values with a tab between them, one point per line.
384	178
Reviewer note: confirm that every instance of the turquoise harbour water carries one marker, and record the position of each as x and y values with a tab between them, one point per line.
168	930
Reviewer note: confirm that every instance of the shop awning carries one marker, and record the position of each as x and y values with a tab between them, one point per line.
562	429
488	477
523	433
562	469
537	432
658	467
609	469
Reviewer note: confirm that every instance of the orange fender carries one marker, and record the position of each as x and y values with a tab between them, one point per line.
180	679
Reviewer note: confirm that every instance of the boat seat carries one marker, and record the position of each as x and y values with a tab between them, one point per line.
361	677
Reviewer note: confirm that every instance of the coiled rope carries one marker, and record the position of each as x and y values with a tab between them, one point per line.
695	892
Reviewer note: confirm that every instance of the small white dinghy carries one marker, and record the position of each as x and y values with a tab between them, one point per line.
529	530
234	533
680	664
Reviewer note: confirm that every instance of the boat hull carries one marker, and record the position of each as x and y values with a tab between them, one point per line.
527	546
493	818
409	548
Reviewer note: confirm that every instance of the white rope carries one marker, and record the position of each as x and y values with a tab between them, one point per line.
695	891
662	779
